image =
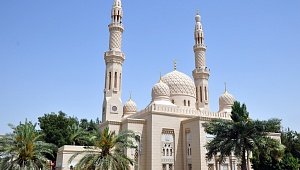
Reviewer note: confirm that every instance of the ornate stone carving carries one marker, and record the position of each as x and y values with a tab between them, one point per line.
115	40
130	107
180	84
200	59
160	89
226	100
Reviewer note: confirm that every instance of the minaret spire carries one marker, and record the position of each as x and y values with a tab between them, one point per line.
114	58
201	72
199	43
116	27
117	3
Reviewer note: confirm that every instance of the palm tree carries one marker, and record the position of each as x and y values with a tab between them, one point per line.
77	135
240	136
268	155
24	149
107	152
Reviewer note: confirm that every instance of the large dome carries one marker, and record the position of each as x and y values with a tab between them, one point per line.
180	84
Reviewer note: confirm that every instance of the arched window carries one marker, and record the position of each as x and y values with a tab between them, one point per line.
188	143
196	93
189	166
120	78
167	145
173	101
184	102
109	81
205	93
170	166
164	167
189	103
105	80
116	80
201	38
201	94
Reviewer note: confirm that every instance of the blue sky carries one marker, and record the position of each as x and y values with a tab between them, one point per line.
51	54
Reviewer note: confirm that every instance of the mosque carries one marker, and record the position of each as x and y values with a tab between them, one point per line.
170	128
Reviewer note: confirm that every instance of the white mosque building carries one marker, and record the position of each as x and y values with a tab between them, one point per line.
170	128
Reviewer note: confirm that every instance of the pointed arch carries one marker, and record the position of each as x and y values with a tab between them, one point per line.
116	80
109	81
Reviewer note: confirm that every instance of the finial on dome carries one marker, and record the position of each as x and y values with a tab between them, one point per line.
197	17
225	87
130	95
160	78
174	62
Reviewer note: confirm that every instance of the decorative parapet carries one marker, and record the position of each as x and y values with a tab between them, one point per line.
183	111
127	120
75	148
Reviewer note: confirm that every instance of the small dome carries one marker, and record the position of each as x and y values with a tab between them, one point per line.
130	107
198	18
226	100
160	90
180	84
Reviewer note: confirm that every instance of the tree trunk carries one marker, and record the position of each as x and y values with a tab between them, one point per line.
248	160
244	163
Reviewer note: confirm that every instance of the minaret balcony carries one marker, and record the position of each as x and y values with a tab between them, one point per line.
116	26
202	69
114	57
199	46
202	72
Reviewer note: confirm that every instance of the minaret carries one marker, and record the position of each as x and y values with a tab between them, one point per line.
114	58
201	72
